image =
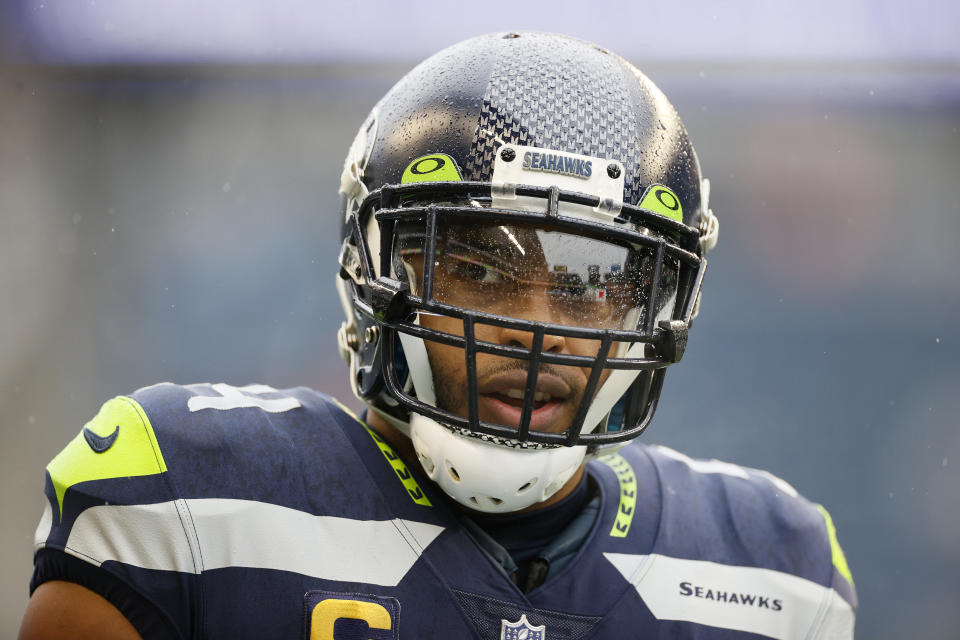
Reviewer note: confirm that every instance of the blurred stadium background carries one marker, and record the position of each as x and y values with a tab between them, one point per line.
168	177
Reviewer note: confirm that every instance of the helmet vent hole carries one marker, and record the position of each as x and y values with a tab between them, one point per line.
453	472
511	36
474	500
427	463
527	485
496	501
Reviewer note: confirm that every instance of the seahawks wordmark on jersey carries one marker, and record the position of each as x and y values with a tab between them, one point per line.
215	511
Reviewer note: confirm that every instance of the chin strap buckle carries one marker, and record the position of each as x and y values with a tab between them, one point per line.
673	341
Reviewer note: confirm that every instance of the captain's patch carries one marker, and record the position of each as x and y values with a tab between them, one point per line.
350	616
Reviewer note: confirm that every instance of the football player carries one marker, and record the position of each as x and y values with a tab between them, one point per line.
524	227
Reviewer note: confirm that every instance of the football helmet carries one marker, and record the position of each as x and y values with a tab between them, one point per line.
527	206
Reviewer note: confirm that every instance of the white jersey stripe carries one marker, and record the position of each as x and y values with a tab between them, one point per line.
175	536
771	603
144	535
45	526
727	469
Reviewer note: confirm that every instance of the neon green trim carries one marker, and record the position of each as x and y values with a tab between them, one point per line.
662	200
436	167
134	453
628	493
839	560
413	489
409	483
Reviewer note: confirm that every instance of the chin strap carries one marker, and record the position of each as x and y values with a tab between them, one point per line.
488	477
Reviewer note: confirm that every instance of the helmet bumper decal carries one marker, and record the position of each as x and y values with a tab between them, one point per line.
517	164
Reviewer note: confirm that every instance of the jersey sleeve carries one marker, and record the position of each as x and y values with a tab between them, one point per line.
841	582
808	547
113	523
738	523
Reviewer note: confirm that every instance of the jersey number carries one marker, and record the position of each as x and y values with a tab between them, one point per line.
239	397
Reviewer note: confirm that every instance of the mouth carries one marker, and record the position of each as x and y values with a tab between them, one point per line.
501	400
514	398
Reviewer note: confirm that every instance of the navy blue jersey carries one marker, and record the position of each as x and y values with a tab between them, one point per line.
222	512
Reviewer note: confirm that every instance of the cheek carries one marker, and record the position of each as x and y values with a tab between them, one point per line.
580	347
589	348
446	359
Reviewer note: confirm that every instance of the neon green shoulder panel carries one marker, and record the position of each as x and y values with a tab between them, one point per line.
839	560
132	451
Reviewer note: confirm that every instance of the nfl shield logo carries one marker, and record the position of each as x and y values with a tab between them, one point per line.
521	630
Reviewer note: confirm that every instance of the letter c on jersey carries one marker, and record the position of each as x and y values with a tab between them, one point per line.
334	619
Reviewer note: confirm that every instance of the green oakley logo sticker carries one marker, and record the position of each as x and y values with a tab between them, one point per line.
662	200
436	167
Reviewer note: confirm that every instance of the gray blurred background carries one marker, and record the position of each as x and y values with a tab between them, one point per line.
168	175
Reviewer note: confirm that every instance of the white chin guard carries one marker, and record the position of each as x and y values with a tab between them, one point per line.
490	477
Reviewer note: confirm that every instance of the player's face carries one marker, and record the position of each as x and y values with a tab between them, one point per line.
528	273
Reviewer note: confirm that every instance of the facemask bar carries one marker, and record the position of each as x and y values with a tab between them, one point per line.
390	304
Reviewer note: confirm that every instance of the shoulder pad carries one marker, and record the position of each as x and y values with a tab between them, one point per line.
751	508
118	442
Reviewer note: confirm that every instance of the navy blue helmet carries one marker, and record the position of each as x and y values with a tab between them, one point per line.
529	183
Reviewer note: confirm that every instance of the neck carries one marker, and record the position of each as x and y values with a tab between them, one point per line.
402	445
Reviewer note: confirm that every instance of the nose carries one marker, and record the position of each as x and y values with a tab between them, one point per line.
537	308
524	339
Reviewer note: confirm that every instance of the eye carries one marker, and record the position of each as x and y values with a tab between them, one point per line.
469	268
481	273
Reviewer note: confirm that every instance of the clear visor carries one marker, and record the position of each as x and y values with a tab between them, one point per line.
532	272
536	273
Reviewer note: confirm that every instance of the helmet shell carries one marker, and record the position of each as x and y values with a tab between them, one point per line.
527	89
534	89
